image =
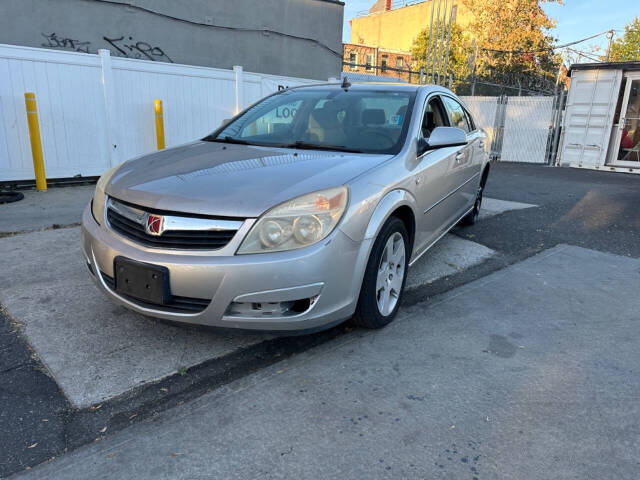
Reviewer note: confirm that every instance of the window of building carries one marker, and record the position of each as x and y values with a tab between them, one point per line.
399	62
385	59
369	61
353	60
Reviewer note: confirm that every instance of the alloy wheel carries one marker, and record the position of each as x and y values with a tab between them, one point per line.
390	274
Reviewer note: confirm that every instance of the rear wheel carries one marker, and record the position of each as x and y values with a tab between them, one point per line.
472	216
384	277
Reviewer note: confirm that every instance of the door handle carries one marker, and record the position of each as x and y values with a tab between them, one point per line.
459	157
481	144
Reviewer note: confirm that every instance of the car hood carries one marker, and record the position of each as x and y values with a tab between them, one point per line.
232	180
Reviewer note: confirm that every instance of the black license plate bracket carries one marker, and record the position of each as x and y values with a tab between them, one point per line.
143	281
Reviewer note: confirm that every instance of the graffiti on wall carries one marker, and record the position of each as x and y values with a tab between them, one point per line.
121	46
128	47
55	41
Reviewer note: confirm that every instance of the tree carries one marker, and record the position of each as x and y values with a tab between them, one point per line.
513	36
627	48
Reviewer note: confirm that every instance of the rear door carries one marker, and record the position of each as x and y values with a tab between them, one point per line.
466	170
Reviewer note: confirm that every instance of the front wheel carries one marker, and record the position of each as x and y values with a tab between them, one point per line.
384	276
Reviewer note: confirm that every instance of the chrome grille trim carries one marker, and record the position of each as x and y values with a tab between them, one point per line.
178	232
173	222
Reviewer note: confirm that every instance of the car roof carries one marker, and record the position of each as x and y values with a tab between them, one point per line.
385	86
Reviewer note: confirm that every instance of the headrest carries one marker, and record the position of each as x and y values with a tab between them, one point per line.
326	116
373	116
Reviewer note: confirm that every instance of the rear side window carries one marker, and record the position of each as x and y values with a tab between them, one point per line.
470	121
457	115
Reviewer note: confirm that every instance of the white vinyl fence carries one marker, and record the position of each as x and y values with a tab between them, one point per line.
96	111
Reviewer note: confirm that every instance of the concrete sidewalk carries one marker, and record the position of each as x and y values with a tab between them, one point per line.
40	210
529	373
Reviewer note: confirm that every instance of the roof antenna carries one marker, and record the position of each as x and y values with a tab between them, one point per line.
345	83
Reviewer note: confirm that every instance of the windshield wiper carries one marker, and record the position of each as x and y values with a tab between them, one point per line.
314	146
226	139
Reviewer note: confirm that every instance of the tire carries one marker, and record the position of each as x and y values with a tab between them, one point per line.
384	277
472	216
9	197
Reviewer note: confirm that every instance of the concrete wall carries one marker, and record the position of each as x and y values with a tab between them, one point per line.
397	28
300	38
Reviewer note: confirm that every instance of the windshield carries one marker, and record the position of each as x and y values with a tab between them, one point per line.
368	121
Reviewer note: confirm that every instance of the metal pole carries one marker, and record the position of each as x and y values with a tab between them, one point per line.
610	37
36	143
556	135
475	63
441	40
441	49
430	39
448	46
421	76
435	46
159	124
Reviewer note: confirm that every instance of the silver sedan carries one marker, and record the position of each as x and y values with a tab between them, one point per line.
302	211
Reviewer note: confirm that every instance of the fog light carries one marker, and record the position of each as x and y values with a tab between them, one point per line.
270	309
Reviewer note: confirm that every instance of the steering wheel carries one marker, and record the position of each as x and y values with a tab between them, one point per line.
378	134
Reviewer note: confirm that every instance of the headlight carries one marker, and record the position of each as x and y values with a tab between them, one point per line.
99	196
297	223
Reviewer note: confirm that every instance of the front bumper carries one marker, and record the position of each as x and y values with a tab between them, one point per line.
329	272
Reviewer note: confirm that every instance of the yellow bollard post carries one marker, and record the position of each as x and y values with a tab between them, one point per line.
36	143
159	124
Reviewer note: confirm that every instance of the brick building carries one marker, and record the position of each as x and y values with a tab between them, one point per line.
377	61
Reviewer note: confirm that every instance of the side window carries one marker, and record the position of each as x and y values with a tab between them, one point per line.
472	125
434	116
456	114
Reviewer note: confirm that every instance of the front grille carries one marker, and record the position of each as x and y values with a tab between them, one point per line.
179	239
176	304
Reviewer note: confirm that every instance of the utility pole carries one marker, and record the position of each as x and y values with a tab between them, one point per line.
610	37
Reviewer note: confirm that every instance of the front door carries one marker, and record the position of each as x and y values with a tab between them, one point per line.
625	150
435	179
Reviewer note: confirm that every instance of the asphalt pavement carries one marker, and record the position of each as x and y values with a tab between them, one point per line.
531	372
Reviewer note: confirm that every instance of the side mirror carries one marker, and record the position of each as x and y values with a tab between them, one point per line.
442	137
224	122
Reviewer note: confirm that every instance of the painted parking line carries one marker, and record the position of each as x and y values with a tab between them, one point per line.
97	350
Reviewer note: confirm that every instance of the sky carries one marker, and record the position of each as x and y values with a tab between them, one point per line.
575	19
